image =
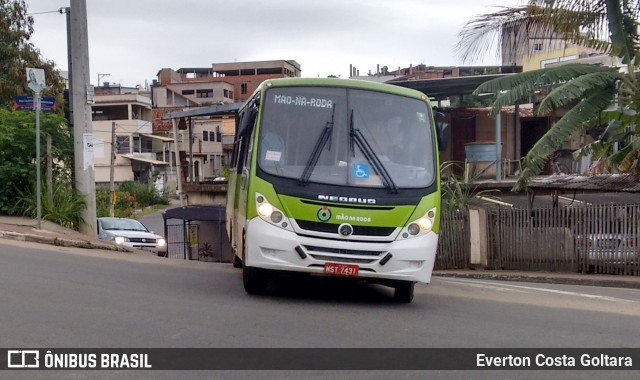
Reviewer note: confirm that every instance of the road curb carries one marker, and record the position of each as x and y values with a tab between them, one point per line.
555	278
59	242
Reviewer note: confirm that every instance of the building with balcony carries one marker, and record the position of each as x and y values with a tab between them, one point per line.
209	139
121	119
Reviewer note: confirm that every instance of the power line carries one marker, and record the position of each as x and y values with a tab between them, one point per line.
61	10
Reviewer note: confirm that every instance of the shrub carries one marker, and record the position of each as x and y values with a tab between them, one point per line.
65	207
144	195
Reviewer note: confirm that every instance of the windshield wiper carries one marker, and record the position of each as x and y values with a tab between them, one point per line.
317	149
355	135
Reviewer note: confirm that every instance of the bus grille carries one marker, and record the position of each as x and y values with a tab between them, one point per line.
343	255
333	228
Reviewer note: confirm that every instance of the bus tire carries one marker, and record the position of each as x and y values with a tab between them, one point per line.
403	291
254	280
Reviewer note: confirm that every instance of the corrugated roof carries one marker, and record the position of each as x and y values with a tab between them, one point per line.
604	182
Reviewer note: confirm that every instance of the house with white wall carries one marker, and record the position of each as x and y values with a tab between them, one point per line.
121	119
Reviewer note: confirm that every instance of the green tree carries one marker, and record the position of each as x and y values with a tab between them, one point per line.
593	96
18	154
17	53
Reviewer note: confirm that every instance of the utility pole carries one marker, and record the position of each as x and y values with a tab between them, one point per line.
112	190
177	156
82	125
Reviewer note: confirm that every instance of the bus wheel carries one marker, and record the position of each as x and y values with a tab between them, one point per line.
404	291
254	280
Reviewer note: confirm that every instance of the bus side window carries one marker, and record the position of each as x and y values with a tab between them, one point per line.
247	121
237	148
247	157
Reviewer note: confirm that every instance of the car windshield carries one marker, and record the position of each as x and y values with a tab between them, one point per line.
347	137
122	224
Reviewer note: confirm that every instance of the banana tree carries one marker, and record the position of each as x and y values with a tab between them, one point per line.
592	96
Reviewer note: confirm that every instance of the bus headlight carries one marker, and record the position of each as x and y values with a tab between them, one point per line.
265	210
276	217
425	224
270	214
420	226
413	229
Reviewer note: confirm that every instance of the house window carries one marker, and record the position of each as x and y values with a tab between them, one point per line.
122	144
218	134
136	144
547	61
187	92
205	135
243	88
537	46
204	93
146	145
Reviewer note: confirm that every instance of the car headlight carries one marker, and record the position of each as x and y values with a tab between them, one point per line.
120	239
161	242
420	226
271	214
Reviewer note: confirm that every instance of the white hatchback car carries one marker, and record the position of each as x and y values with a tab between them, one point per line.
130	233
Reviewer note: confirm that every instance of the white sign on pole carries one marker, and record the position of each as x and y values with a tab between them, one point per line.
91	94
35	79
87	142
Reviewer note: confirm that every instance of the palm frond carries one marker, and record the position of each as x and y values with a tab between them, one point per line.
623	29
484	32
519	87
573	18
603	80
576	119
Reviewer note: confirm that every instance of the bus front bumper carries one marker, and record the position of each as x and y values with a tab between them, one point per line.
271	247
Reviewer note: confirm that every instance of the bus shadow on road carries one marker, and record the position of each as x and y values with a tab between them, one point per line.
325	288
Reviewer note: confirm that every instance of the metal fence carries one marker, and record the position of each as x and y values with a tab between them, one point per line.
585	238
197	240
182	241
454	244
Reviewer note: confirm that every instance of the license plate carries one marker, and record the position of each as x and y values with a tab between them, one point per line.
341	269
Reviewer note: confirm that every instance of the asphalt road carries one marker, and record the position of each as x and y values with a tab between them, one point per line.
67	297
154	222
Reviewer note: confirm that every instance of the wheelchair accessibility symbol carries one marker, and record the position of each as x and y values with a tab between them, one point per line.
360	171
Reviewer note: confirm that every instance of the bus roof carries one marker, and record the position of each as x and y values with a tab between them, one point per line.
344	83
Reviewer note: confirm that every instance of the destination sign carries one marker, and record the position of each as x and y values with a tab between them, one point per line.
303	101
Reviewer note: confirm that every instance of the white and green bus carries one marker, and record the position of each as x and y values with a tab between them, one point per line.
335	177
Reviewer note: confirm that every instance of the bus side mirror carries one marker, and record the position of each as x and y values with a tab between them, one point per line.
442	131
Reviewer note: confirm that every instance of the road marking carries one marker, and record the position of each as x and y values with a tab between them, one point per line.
496	285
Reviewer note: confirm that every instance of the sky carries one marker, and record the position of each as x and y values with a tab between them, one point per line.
130	41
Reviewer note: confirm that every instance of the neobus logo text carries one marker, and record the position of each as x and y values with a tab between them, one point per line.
334	198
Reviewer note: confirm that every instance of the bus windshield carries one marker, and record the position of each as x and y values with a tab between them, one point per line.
347	137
